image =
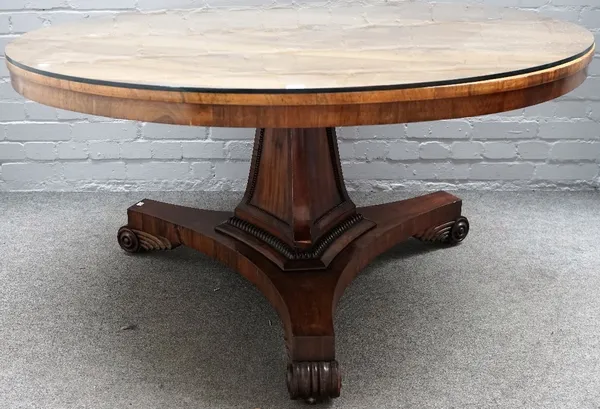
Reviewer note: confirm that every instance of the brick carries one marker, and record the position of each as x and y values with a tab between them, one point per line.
39	4
502	171
546	171
531	3
166	150
71	115
40	150
594	67
72	150
438	171
455	129
505	130
239	149
162	131
346	150
203	149
38	132
504	3
570	2
442	10
12	111
370	150
590	18
63	17
499	150
29	172
94	170
232	170
3	68
571	109
172	4
569	130
106	4
158	171
571	151
403	150
10	151
135	150
103	150
434	150
227	4
545	110
5	40
39	112
374	132
201	170
533	149
466	150
7	93
350	132
561	13
24	22
374	171
231	133
90	131
595	111
4	24
418	130
590	89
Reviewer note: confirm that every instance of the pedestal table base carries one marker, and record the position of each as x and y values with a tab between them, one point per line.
302	250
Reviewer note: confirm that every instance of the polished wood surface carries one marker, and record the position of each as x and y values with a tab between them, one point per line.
312	48
424	105
312	67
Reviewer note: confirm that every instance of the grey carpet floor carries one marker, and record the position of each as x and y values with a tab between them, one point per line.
508	319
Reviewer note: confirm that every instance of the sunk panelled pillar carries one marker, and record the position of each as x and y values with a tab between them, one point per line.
296	208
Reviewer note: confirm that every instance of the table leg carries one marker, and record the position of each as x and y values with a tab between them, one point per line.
298	237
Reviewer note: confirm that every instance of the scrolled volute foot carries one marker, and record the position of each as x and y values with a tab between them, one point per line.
452	232
135	241
314	381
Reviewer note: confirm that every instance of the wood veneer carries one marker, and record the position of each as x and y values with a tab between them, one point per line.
400	62
307	50
305	110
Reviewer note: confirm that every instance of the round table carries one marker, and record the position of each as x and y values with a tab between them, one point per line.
295	74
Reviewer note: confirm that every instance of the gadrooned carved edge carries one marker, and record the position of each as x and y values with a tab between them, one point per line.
134	241
314	380
452	232
289	252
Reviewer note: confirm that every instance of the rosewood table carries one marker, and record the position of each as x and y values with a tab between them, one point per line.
296	74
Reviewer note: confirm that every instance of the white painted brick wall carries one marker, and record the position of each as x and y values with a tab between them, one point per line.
552	145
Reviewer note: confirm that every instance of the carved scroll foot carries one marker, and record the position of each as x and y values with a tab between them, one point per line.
452	232
314	381
135	241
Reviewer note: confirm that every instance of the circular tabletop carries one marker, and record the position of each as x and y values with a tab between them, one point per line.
333	63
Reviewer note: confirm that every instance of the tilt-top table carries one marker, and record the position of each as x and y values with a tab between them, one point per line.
295	75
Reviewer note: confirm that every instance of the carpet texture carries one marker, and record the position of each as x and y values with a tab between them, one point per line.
508	319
